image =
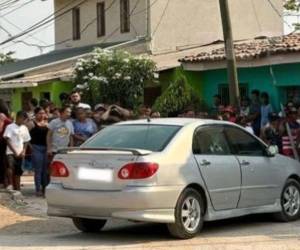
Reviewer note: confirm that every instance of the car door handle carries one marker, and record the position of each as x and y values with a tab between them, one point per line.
205	163
245	163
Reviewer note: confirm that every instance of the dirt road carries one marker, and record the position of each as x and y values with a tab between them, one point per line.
28	227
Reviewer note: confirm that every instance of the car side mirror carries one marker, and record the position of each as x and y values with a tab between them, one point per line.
272	150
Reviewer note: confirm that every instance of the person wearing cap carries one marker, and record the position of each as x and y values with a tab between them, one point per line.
17	137
271	133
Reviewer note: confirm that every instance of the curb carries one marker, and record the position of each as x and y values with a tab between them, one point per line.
14	196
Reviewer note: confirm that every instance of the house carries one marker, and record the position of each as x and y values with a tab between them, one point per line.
167	30
271	65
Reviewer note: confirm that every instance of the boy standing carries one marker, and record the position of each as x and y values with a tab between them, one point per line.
17	137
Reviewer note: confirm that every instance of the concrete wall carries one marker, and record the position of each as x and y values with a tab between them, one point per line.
178	23
88	15
174	24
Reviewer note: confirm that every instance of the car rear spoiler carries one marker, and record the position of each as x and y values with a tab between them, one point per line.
137	152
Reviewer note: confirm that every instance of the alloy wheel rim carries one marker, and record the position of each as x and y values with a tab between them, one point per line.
291	201
190	214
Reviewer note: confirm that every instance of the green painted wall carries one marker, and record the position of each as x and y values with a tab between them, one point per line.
272	80
194	79
55	88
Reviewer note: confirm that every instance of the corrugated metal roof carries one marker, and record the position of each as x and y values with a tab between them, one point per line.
51	57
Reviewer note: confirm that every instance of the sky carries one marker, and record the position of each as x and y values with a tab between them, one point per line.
35	11
23	18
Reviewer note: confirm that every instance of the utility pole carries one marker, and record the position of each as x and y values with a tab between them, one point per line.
234	92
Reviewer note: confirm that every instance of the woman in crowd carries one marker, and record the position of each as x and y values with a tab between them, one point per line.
84	127
4	121
38	133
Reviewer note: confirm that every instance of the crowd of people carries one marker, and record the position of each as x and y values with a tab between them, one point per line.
35	135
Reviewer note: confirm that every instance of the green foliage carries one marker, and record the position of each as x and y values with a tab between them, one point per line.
293	5
178	96
114	77
6	58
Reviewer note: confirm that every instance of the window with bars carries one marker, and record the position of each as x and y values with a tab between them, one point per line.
76	23
125	16
100	19
224	92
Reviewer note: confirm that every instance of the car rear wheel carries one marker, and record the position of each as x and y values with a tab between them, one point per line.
88	225
290	202
188	215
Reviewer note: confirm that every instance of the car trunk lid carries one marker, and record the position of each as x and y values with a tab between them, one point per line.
96	169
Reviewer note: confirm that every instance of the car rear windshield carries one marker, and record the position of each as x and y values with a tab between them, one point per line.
148	137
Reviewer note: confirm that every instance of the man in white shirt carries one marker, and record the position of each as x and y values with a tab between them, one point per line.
17	137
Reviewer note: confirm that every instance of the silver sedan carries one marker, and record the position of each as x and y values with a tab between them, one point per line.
181	172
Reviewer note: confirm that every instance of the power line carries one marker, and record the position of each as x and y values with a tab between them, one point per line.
279	14
44	21
256	15
92	21
20	29
161	18
15	9
9	5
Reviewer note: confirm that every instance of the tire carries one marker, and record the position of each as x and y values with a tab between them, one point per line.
182	229
290	197
88	225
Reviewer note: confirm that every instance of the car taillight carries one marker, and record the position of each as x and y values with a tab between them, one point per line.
59	169
137	170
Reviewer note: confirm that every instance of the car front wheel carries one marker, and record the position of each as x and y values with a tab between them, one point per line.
290	202
88	225
188	215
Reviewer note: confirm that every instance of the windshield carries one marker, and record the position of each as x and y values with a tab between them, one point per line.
142	136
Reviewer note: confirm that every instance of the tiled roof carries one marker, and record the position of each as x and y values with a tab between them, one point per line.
254	49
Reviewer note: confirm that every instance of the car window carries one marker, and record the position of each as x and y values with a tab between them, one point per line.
149	137
243	143
210	141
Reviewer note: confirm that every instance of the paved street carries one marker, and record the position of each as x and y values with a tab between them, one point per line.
29	227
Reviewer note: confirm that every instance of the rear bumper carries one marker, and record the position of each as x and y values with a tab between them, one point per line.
150	204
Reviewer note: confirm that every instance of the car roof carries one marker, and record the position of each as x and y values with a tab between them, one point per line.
173	121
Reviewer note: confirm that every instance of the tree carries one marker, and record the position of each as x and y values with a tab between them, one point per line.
114	77
293	6
6	58
178	96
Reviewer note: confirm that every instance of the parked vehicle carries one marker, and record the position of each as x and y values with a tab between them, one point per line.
178	171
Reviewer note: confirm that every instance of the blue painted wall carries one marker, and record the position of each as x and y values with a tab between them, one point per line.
273	80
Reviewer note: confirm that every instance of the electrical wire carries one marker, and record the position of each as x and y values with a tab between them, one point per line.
20	29
92	21
44	21
161	18
17	8
279	13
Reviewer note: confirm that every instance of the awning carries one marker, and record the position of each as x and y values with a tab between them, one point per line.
35	80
